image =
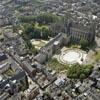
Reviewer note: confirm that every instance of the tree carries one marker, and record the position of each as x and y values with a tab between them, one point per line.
84	43
33	50
45	32
82	76
37	32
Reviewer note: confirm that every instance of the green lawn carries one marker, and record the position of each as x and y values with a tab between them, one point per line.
55	65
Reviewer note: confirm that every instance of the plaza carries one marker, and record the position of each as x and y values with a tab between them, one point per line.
71	56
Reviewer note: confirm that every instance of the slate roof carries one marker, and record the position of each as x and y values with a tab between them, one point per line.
17	77
2	57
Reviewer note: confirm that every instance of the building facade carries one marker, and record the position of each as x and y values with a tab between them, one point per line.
50	48
78	32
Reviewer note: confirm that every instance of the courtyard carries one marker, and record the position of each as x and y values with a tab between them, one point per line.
65	57
71	56
38	43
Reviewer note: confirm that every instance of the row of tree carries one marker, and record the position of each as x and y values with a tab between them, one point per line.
45	18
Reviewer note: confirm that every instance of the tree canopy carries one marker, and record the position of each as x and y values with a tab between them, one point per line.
37	31
84	43
77	71
45	18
